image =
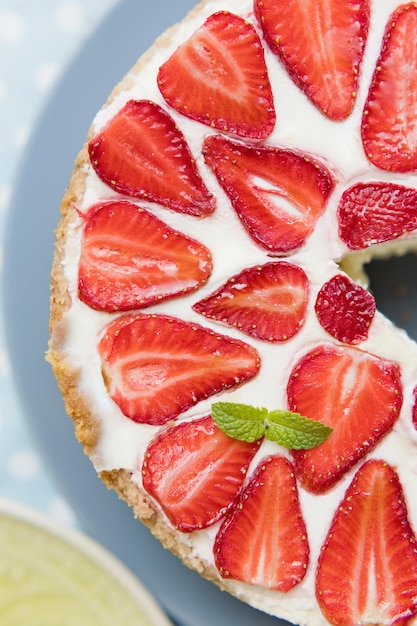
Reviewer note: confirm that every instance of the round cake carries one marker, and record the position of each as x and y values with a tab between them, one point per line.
224	364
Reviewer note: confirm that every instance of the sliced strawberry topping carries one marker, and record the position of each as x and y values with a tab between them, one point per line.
156	366
263	539
371	213
131	259
321	44
219	78
354	392
142	153
414	410
268	302
367	571
264	187
389	122
195	471
345	309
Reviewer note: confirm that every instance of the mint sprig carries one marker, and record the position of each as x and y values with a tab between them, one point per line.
289	429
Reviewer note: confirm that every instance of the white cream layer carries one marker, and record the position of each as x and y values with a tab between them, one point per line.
300	126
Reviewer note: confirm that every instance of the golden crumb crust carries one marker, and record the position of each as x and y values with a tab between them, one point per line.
144	510
86	423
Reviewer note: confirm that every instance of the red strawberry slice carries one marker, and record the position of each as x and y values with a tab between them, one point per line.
268	302
414	410
263	540
219	78
367	570
371	213
131	259
264	187
143	154
354	392
195	471
389	121
156	366
345	309
321	45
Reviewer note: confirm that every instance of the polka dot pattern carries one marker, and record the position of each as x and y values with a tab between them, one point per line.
12	26
37	41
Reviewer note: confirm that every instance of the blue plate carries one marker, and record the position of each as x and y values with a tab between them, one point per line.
45	171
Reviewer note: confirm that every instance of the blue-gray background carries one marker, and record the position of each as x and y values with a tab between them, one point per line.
38	40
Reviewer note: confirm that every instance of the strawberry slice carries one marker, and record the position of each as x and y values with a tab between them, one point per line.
321	45
195	471
131	259
371	213
268	302
389	121
219	78
414	409
345	309
156	366
263	539
367	570
354	392
263	184
142	153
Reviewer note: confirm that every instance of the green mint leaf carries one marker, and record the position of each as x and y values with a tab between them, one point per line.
240	421
295	431
288	429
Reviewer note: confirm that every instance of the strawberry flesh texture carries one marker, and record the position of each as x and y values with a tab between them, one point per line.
371	213
219	77
321	45
345	309
131	259
414	409
389	121
157	366
263	539
357	394
278	194
141	153
367	570
268	302
195	471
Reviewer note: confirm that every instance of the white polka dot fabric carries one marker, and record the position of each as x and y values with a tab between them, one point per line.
37	41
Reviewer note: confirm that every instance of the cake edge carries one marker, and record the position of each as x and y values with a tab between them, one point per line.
86	424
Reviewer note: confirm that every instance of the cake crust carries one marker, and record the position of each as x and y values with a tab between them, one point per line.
86	423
